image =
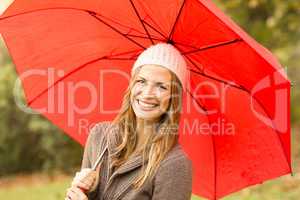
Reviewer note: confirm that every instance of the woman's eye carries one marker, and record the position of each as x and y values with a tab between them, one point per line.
162	87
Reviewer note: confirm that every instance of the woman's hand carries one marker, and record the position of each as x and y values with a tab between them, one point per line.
86	179
74	193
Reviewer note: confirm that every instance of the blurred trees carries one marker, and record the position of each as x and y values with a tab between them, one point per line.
29	142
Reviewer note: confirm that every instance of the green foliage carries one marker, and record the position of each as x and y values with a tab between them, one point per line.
274	23
30	142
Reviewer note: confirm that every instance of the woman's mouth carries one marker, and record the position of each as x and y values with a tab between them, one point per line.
145	105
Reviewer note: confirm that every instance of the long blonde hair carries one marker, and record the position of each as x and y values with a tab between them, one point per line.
157	145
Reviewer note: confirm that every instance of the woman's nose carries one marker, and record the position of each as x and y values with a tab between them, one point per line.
148	89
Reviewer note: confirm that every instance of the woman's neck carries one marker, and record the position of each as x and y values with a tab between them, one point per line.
144	130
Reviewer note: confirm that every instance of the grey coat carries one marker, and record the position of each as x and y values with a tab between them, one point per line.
172	181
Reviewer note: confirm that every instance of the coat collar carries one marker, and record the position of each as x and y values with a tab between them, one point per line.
132	163
135	161
113	139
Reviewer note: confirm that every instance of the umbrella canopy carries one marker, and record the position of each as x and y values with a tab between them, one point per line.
74	59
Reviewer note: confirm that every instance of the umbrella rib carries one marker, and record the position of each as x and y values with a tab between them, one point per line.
92	13
176	20
153	22
155	29
138	36
42	9
199	104
140	19
195	65
127	52
62	78
218	80
120	24
201	72
276	131
213	143
70	73
79	68
213	46
115	29
186	45
119	58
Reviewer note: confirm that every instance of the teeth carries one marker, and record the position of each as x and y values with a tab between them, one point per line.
146	104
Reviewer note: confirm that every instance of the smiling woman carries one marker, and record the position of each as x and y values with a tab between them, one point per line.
144	159
151	92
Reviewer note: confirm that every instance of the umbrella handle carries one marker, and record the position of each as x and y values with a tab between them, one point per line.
84	190
99	159
96	164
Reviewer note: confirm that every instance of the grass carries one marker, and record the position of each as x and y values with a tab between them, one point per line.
38	187
35	187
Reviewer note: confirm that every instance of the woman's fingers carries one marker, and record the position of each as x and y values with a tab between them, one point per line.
85	182
70	194
75	193
84	179
80	194
80	184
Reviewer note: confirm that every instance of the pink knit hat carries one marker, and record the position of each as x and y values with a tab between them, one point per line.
165	55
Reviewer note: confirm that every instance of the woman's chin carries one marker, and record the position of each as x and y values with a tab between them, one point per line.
145	116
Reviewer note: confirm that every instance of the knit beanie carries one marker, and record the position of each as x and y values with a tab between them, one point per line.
165	55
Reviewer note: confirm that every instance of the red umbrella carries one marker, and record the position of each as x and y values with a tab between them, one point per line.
74	59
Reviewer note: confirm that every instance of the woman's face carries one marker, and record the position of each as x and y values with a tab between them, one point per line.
151	93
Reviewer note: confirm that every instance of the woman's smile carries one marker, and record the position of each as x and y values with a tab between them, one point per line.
146	106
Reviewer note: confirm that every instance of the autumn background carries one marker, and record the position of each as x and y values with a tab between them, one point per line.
33	152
